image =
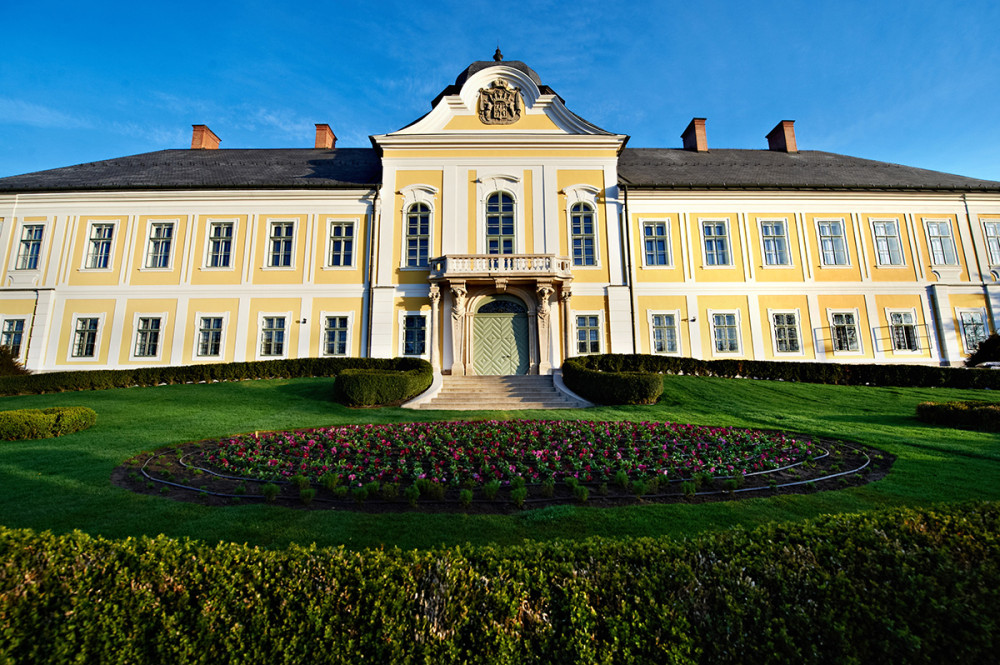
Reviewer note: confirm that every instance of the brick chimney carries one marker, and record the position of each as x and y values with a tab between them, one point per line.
782	137
325	138
694	136
203	138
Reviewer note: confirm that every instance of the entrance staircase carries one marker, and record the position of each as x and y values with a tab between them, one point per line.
500	393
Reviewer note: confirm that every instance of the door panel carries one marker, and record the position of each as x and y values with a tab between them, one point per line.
500	343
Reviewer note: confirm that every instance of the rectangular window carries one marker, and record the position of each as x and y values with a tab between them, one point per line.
941	244
147	337
786	332
992	231
774	236
418	235
220	244
281	240
832	244
31	246
716	243
654	236
85	337
414	335
210	336
161	236
845	331
99	252
582	235
664	333
272	336
903	331
725	332
887	245
588	334
974	329
12	335
342	243
335	336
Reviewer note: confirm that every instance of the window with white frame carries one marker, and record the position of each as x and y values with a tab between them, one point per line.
12	335
281	242
220	244
716	234
500	223
726	332
272	336
663	333
991	229
99	247
887	246
656	245
210	336
341	243
588	334
833	246
30	247
85	337
844	332
147	337
774	237
335	335
940	242
903	331
161	236
582	233
974	329
785	328
418	235
414	335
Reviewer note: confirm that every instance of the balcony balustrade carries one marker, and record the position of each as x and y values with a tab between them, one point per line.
471	266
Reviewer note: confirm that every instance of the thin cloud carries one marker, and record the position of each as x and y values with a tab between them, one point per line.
20	112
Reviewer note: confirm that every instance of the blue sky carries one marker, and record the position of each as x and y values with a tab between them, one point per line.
915	82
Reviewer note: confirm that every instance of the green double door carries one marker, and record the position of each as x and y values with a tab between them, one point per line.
500	339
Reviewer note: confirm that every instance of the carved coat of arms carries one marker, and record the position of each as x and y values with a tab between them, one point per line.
499	104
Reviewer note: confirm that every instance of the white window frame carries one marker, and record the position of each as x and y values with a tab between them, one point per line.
830	313
411	195
214	221
355	226
98	336
196	350
173	223
712	313
401	322
259	355
22	353
268	247
504	183
702	221
843	238
575	351
992	248
789	263
322	333
959	311
676	313
587	195
797	313
20	255
916	330
162	316
643	221
873	222
930	245
89	243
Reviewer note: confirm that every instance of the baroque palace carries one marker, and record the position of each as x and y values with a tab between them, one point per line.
498	234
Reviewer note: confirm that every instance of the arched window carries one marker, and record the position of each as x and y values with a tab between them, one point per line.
582	223
418	233
500	223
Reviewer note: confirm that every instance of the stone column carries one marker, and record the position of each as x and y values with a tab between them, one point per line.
458	300
543	290
435	325
564	296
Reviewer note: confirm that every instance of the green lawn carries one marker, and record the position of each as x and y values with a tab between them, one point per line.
63	484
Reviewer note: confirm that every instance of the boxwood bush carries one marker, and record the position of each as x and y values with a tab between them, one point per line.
901	586
983	416
370	387
45	423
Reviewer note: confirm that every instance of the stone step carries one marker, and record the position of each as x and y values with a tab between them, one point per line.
499	393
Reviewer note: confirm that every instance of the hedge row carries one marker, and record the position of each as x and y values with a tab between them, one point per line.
611	386
901	586
371	387
983	416
45	423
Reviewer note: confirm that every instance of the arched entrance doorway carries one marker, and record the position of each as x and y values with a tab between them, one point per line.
500	339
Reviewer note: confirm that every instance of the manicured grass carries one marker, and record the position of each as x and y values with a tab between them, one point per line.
63	484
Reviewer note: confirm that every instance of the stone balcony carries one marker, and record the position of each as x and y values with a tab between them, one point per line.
500	266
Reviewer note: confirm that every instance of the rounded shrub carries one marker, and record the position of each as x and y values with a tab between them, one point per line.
45	423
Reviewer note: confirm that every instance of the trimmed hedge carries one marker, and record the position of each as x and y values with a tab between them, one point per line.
611	386
904	586
45	423
982	416
370	387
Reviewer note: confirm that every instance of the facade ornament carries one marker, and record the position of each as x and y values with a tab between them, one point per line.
435	294
544	291
500	283
458	294
499	104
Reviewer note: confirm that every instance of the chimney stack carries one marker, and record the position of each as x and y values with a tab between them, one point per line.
694	136
203	138
782	137
325	138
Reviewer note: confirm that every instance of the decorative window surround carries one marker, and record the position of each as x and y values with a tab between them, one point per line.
281	244
148	337
991	232
588	324
581	200
209	338
345	339
341	244
786	332
414	195
220	247
727	331
85	338
904	331
845	332
489	184
716	244
273	338
940	242
29	250
888	244
418	333
99	254
831	235
664	322
775	250
159	246
14	332
656	247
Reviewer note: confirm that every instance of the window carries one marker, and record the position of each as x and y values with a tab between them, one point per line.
773	235
335	336
210	336
726	332
786	332
887	245
845	331
414	335
582	232
281	239
85	337
831	243
500	223
272	336
654	236
942	246
663	337
418	235
31	246
992	230
147	337
12	335
716	243
588	334
341	243
220	244
903	331
160	237
99	253
974	328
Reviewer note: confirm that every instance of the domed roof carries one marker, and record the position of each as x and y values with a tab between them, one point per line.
497	61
